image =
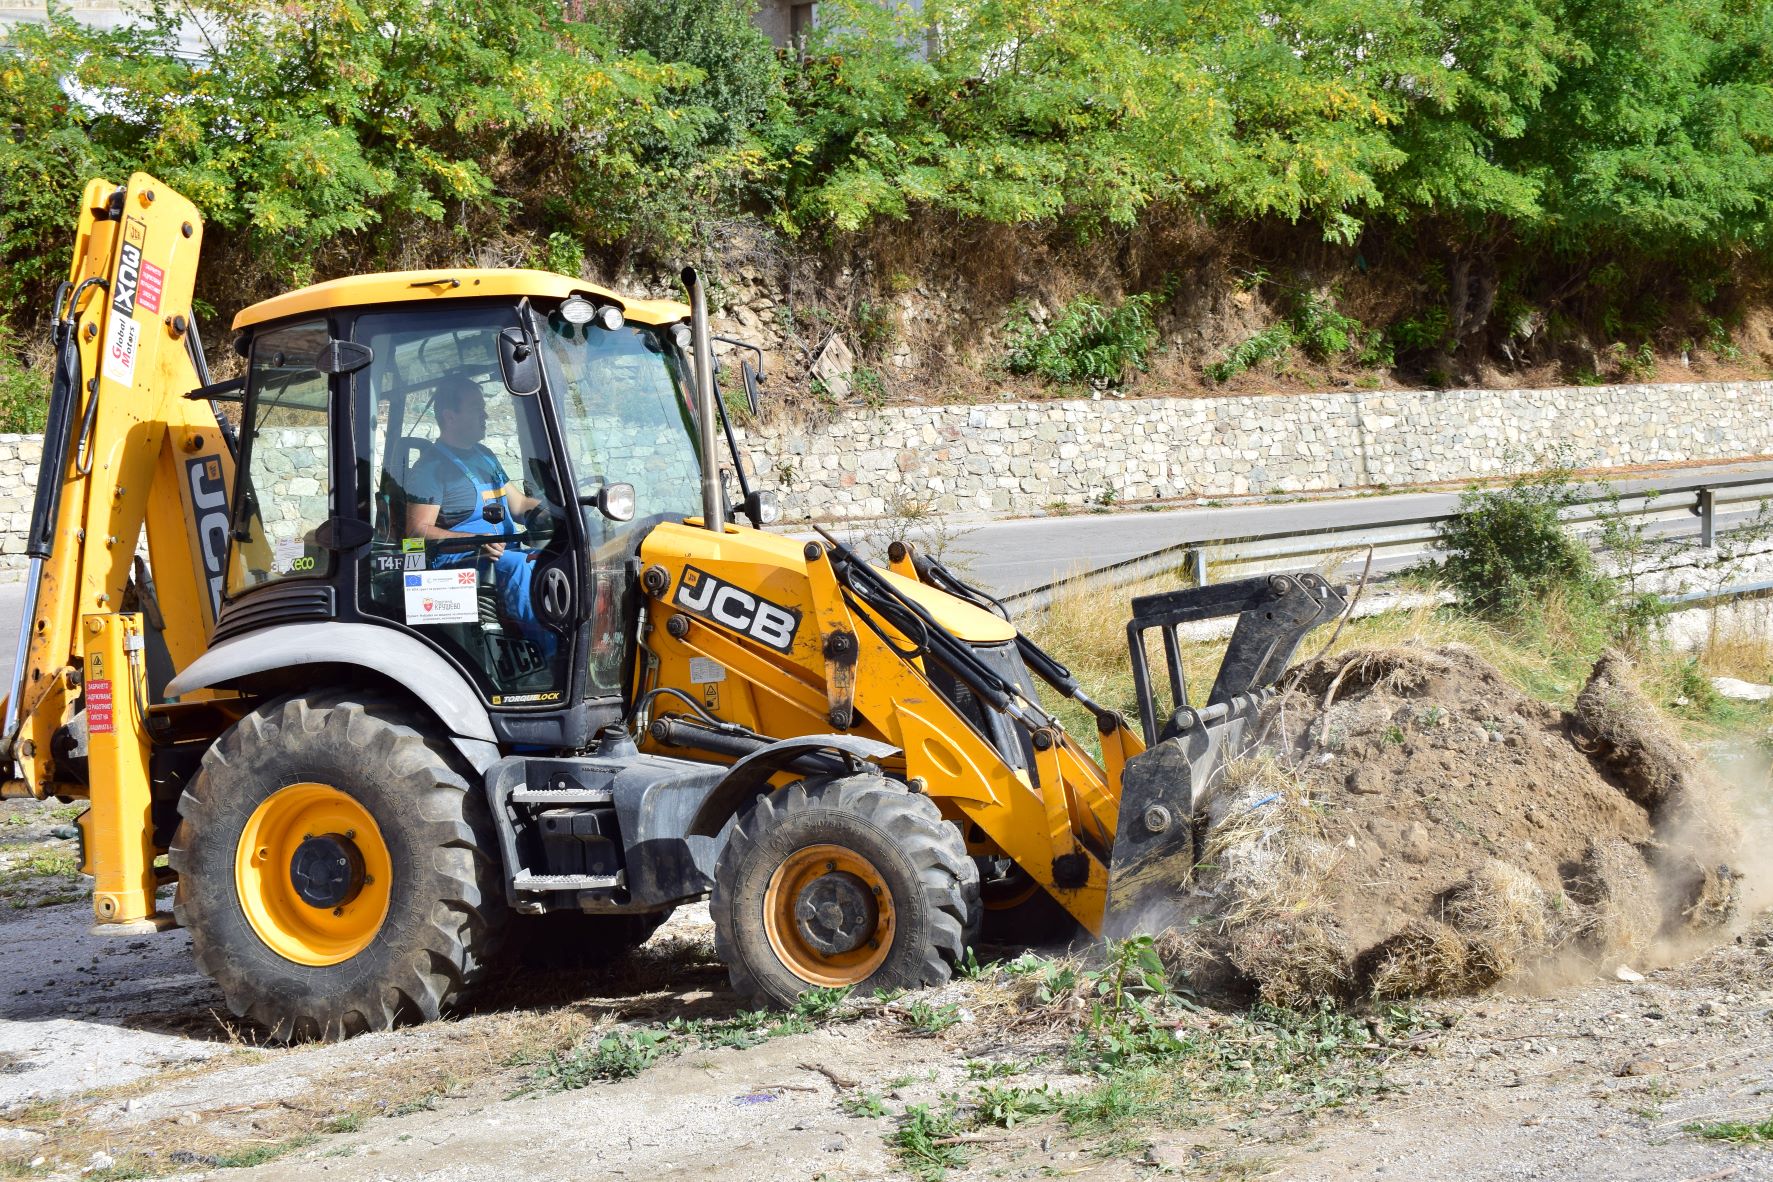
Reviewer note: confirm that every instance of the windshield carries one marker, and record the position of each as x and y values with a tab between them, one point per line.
628	420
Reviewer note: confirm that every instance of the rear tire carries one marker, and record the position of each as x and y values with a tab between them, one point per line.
849	882
404	946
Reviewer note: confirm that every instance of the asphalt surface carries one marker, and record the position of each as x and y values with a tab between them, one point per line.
1009	556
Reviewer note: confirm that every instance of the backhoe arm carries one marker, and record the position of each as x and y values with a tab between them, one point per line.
123	449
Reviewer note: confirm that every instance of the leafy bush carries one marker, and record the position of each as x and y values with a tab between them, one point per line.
24	392
1312	323
740	77
1087	341
1274	341
1507	548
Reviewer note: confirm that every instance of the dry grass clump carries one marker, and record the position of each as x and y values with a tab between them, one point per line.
1507	919
1648	762
1264	867
1426	959
1496	924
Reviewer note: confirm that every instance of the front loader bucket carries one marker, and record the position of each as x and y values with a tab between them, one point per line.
1162	790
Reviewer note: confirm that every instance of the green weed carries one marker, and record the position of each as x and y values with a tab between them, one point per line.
925	1018
923	1141
1734	1131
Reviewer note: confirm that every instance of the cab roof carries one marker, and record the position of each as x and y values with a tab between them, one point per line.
404	287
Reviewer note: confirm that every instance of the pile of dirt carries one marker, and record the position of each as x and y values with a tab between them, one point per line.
1417	826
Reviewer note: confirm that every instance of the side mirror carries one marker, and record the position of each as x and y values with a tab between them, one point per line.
518	362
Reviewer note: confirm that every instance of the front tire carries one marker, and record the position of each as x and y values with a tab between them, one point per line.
335	870
853	882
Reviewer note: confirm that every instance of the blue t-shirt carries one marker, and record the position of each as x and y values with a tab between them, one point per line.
441	481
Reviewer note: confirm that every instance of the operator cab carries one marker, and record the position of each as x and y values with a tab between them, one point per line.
471	458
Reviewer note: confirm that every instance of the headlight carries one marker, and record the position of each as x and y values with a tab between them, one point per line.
616	502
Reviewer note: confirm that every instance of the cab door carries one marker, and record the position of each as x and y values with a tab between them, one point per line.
492	489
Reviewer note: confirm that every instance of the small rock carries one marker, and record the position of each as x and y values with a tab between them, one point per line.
1415	844
1364	781
1627	973
65	832
101	1161
188	1118
1707	1009
20	1136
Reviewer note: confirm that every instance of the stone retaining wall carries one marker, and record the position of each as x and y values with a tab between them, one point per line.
1016	458
1019	457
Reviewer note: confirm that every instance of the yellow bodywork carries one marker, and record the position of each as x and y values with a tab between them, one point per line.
1069	807
402	287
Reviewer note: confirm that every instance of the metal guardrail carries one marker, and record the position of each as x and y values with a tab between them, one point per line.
1666	506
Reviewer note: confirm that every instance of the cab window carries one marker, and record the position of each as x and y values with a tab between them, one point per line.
286	483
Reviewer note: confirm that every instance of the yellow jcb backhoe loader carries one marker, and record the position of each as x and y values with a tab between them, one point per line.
456	641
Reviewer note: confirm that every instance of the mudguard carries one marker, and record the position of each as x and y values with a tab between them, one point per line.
831	754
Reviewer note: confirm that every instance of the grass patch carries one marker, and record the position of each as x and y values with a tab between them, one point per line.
626	1052
1734	1131
1149	1057
925	1141
258	1155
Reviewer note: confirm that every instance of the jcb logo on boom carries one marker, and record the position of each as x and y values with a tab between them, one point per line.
209	516
701	594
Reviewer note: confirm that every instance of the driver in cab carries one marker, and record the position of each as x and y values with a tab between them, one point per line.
462	490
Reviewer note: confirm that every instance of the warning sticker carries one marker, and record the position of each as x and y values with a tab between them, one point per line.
703	671
98	708
121	345
442	597
148	293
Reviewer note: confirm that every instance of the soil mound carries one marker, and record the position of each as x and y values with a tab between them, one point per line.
1415	825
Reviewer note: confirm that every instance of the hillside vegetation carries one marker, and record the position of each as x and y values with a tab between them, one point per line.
1214	192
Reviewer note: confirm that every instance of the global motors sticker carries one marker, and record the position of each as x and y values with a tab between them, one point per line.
124	336
122	343
442	597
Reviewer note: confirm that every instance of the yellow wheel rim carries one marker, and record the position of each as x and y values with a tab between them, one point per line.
313	874
829	915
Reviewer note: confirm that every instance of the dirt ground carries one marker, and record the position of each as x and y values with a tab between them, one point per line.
116	1061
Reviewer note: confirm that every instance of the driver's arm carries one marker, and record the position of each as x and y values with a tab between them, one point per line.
421	522
518	501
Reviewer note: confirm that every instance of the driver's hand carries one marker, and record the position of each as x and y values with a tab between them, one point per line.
493	550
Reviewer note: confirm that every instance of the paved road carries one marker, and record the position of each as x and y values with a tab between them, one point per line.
1010	556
